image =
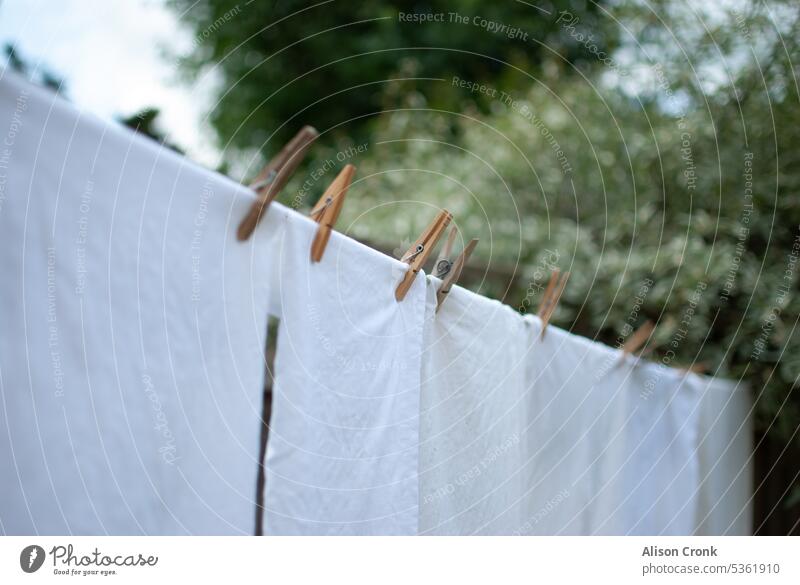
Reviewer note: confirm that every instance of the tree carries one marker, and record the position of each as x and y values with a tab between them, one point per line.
145	122
37	74
334	65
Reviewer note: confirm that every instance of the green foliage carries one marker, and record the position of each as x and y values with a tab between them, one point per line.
283	64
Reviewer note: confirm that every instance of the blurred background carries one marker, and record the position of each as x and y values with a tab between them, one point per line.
623	141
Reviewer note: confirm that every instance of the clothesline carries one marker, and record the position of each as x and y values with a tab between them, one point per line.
274	176
326	477
131	370
501	411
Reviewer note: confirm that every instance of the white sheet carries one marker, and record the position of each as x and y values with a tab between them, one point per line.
133	323
474	416
342	455
523	435
649	472
566	439
617	441
725	458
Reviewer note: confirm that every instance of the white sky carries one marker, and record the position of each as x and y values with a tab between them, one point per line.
111	54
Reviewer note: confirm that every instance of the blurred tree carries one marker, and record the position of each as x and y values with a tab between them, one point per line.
38	73
286	63
145	122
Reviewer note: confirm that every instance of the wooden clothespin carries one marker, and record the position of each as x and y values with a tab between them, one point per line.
453	272
638	338
443	263
419	252
695	368
327	209
552	294
274	177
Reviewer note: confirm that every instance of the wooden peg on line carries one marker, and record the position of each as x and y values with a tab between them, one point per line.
327	210
274	177
419	252
552	295
695	368
454	272
638	338
443	263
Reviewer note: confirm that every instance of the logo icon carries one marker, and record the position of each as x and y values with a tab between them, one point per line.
31	558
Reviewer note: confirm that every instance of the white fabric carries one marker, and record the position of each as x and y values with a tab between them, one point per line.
342	454
474	416
566	442
617	441
725	457
648	474
524	435
131	359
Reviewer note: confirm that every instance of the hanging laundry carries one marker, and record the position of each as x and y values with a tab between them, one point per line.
525	434
648	474
566	440
131	360
342	455
474	416
725	458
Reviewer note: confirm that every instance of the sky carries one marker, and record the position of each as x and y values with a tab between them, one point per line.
113	56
